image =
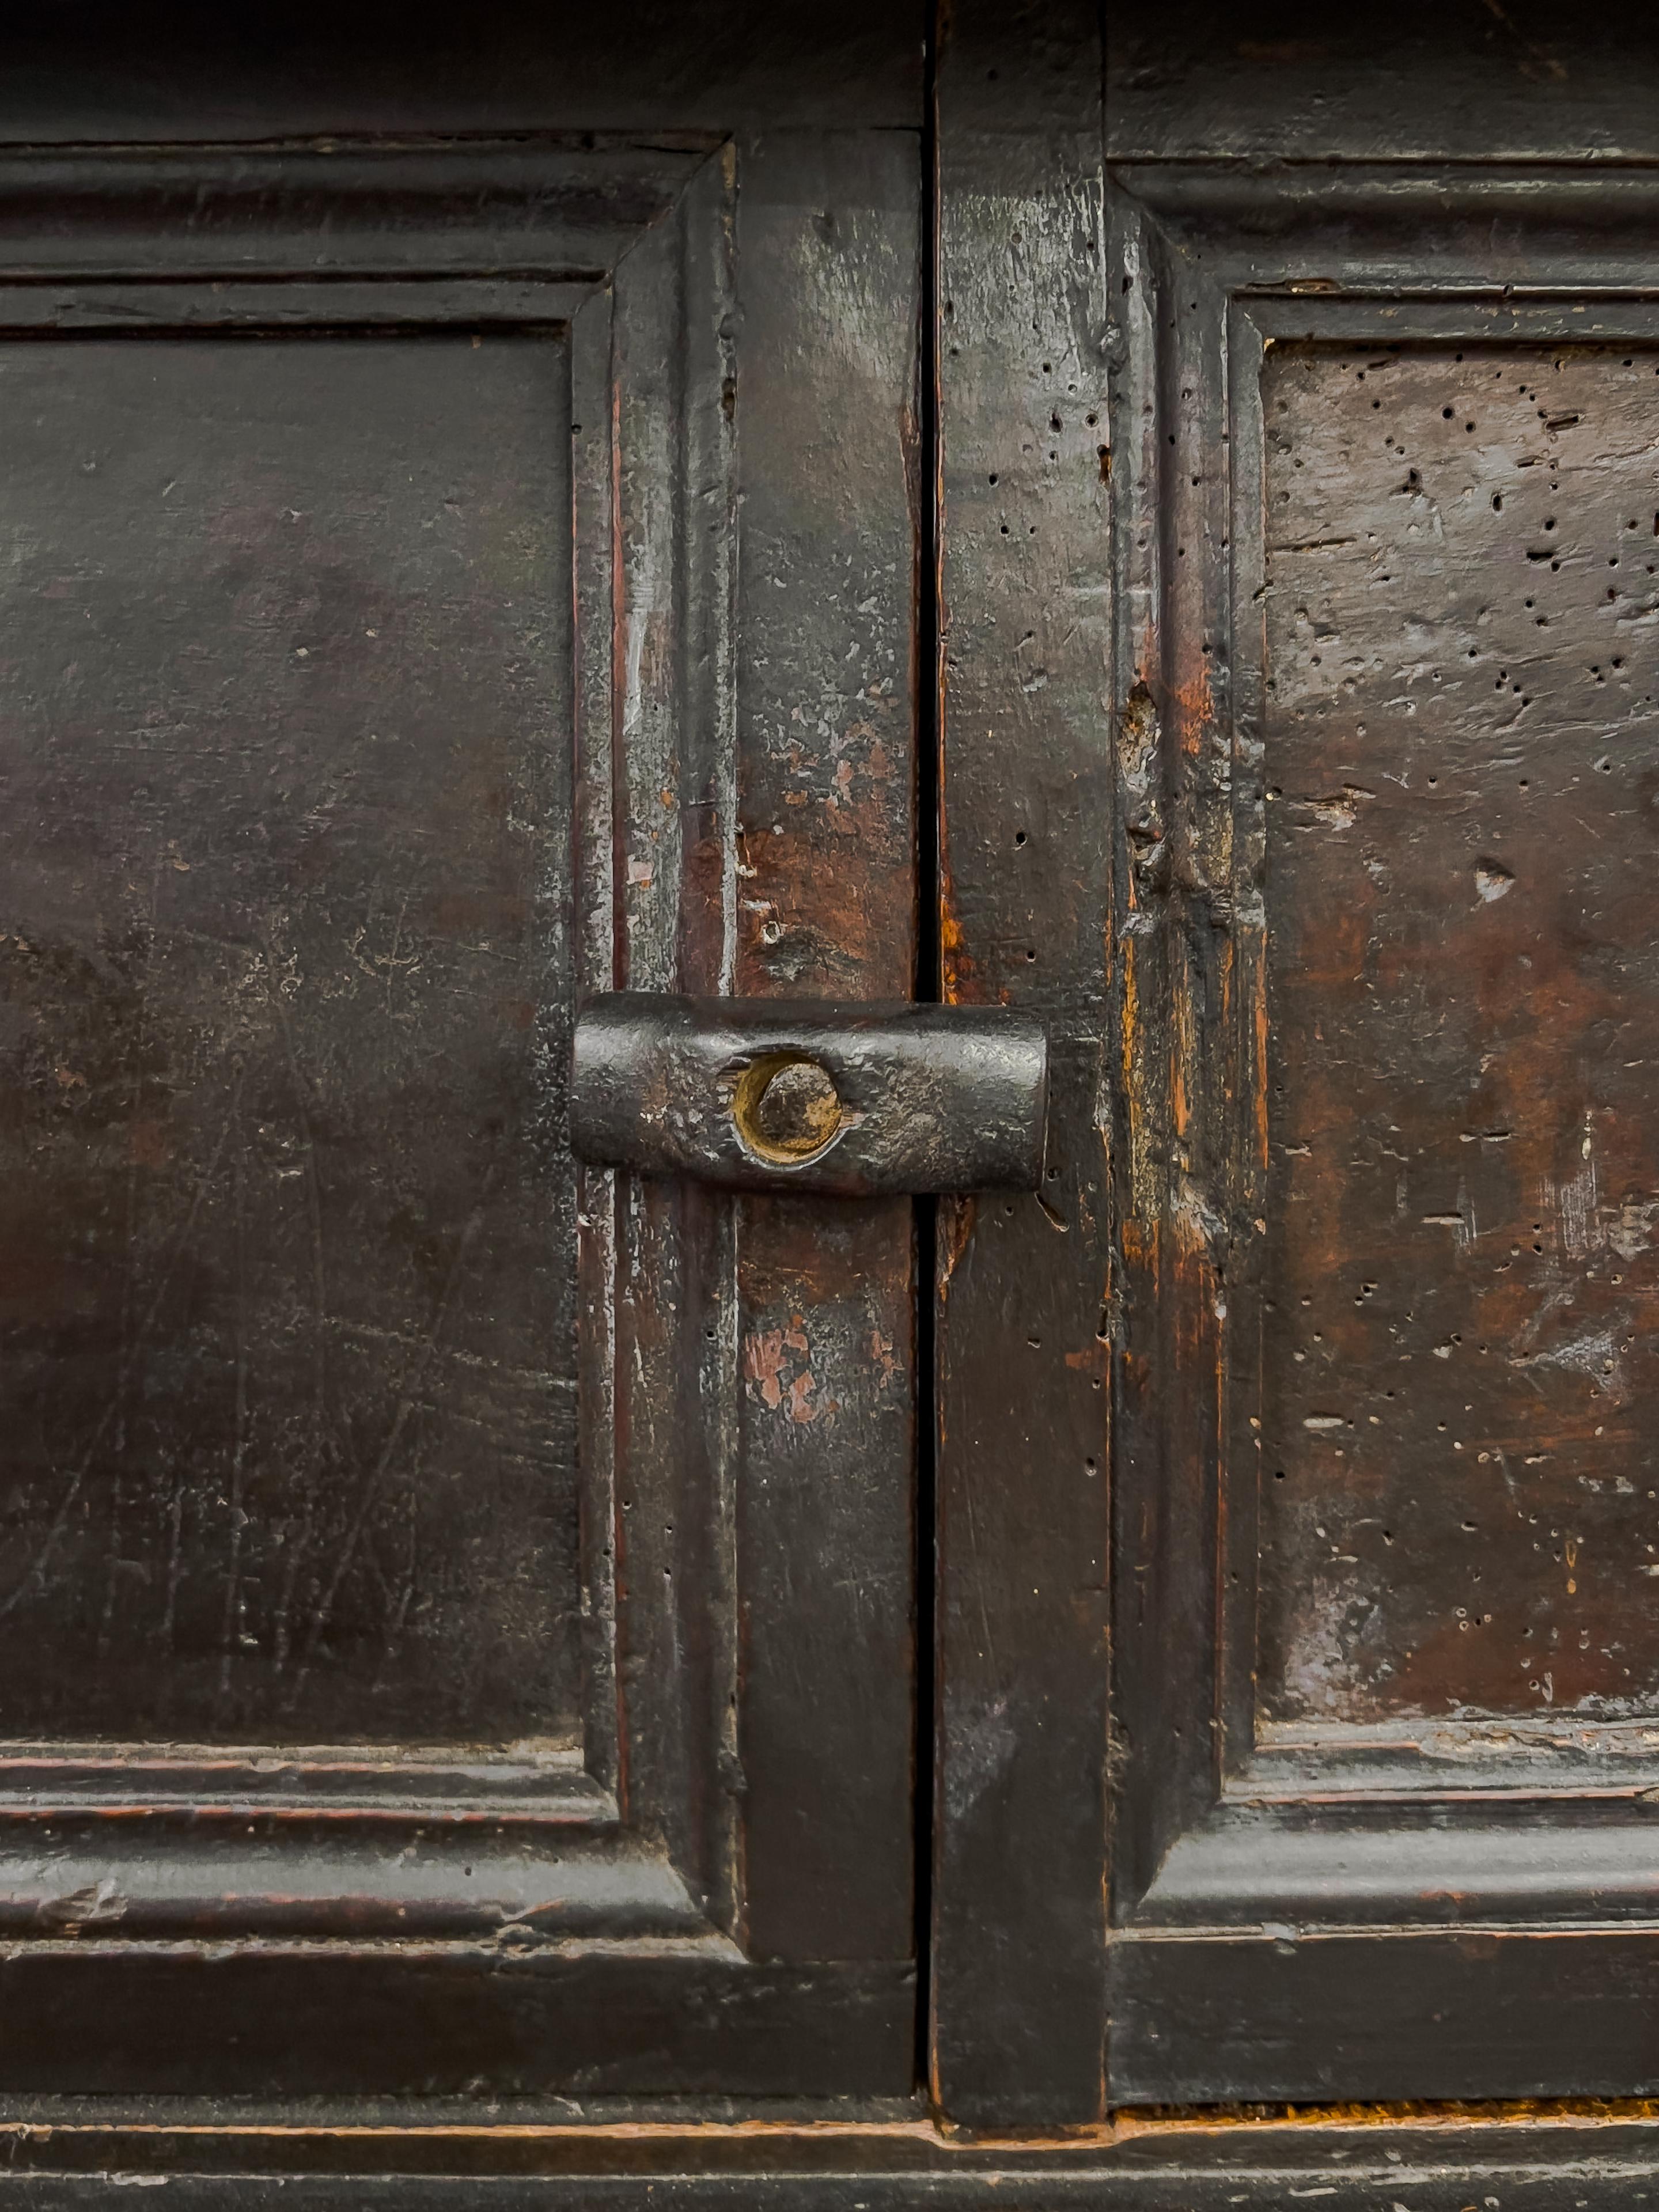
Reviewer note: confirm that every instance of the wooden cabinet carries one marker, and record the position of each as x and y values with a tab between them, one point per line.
525	1681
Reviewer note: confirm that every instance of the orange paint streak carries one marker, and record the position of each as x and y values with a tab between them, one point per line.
1194	709
1259	1071
927	2136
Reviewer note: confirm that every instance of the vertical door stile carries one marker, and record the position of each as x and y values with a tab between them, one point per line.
828	281
1023	1298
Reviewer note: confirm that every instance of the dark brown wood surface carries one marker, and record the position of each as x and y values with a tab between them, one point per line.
1457	1518
1542	2161
488	515
288	1343
1023	602
454	1638
1380	1468
823	904
1486	80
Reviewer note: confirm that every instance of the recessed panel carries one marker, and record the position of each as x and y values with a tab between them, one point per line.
285	1221
1461	1426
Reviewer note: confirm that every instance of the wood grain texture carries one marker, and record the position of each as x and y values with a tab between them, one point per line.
661	728
1458	1517
288	1313
1538	2158
567	625
1362	1841
1215	81
1289	1771
692	2018
1024	1283
1472	2014
824	901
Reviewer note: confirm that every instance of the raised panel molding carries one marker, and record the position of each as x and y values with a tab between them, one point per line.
1278	1874
579	1915
403	242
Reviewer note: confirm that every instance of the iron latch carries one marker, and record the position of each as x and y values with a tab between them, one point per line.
759	1094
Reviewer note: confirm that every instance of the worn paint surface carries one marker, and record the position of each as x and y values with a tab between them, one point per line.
1025	817
286	1307
359	625
825	907
1384	964
1462	622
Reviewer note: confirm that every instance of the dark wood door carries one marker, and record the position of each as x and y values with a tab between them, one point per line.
1393	1550
1360	1205
456	1610
1386	1498
717	503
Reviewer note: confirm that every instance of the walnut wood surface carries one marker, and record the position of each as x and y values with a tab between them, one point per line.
393	1510
559	1832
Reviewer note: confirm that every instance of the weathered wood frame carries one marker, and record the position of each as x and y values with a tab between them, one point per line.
1018	1904
1333	1920
1025	796
638	1927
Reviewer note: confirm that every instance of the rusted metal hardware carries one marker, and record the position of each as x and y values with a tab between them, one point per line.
762	1094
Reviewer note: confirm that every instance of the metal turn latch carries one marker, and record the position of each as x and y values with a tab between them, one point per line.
764	1094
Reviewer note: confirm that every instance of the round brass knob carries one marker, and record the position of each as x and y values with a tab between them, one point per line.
787	1109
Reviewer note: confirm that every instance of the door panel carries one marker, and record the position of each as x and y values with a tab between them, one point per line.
290	1352
1385	536
456	1609
1461	1012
